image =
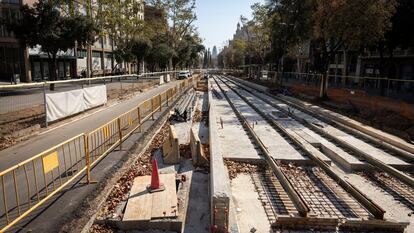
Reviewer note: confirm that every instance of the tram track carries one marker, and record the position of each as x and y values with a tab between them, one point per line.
399	184
275	102
316	191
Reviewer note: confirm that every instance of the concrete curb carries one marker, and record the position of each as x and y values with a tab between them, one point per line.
219	179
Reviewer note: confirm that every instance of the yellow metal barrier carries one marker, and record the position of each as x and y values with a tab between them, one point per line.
47	173
30	183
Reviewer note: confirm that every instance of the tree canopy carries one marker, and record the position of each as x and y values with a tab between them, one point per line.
46	26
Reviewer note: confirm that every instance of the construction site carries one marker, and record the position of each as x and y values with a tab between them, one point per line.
216	153
231	157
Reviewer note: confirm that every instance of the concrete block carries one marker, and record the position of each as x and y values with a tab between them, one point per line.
197	152
220	182
171	148
167	78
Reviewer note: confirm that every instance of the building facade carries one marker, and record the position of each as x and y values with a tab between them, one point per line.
13	58
31	64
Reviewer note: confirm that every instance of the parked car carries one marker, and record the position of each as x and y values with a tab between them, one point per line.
183	75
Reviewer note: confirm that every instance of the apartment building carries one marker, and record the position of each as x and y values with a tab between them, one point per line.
31	64
13	58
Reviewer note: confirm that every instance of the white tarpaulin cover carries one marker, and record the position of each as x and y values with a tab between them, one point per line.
64	104
94	96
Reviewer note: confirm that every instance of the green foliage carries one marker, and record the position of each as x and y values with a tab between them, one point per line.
153	40
44	25
402	33
348	24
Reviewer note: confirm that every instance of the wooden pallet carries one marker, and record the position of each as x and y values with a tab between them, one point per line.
144	207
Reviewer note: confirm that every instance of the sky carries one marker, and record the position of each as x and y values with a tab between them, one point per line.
217	19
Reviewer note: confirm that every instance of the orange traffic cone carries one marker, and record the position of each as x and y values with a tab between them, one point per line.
155	185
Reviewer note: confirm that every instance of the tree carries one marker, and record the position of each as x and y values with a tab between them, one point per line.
122	21
44	25
344	24
160	56
290	25
180	13
400	35
260	34
140	48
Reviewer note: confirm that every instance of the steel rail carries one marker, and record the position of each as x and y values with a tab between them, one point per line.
300	204
373	208
370	159
396	147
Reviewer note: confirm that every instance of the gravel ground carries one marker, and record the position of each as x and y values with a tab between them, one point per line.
236	168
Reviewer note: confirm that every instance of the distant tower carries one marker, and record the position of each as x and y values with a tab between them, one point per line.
214	54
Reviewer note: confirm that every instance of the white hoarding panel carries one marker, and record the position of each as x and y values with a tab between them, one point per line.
63	104
94	96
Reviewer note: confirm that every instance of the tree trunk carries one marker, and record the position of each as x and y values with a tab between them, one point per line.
53	70
381	71
323	94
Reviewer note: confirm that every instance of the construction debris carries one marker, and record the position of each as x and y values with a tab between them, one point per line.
100	228
182	112
185	151
141	167
197	116
236	168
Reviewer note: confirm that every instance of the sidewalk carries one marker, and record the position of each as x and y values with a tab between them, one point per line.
29	148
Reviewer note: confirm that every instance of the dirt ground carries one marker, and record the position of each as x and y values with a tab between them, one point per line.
13	122
141	168
236	168
198	212
19	125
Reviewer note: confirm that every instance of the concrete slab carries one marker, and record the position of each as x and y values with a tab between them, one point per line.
278	147
331	150
234	141
284	149
392	139
249	210
202	127
376	153
202	101
183	131
143	206
368	148
198	213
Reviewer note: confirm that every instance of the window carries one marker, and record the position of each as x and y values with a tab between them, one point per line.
9	15
10	62
15	2
81	54
96	54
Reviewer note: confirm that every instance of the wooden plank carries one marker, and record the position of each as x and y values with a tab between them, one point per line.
165	201
139	204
